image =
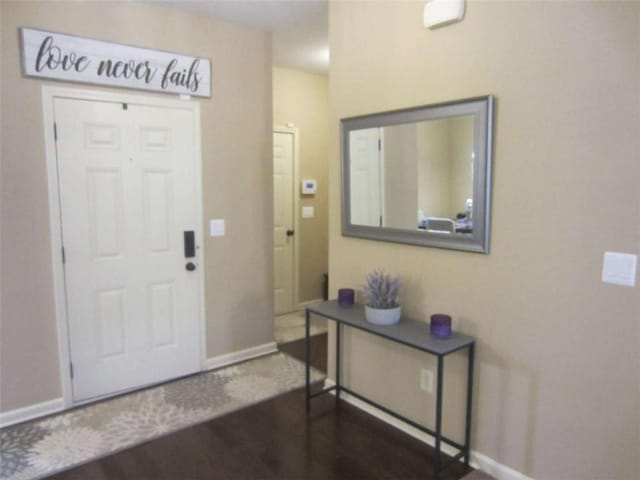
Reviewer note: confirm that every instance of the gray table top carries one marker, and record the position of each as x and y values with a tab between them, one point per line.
408	332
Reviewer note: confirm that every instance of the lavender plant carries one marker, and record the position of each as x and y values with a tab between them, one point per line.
381	290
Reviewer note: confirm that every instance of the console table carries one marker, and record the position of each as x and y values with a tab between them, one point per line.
412	334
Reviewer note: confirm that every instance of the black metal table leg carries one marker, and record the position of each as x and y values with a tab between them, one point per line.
338	330
354	317
438	432
307	361
467	432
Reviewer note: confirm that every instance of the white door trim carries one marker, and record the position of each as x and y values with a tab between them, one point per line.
295	132
48	96
383	179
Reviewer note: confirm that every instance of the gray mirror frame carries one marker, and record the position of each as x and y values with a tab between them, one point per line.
477	241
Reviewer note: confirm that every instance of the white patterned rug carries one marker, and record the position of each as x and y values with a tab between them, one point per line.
42	447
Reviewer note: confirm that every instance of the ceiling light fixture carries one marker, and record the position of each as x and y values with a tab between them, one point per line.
438	13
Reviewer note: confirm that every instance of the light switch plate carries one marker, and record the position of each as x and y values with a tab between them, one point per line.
216	227
619	268
307	212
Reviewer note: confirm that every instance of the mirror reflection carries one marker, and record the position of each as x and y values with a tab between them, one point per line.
414	176
420	175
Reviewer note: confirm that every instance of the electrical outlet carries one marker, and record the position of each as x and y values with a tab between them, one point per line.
426	380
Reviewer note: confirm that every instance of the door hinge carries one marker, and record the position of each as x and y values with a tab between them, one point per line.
64	257
125	106
71	369
379	144
380	220
55	131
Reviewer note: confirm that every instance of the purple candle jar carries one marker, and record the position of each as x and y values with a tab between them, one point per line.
346	297
441	325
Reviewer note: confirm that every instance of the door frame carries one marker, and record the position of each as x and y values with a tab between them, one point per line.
295	132
49	94
383	179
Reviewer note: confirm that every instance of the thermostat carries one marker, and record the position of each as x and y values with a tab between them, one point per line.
309	187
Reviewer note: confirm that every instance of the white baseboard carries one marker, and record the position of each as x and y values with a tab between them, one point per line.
18	415
241	355
23	414
477	460
495	469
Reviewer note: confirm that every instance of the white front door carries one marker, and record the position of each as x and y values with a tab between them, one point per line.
127	184
366	177
283	222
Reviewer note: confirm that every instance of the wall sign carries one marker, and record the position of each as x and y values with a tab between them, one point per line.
76	59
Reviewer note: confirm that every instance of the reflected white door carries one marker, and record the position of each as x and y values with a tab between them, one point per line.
366	177
127	179
283	222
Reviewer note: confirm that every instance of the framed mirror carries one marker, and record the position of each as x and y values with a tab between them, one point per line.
420	176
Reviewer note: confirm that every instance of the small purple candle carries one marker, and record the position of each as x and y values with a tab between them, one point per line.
441	325
346	297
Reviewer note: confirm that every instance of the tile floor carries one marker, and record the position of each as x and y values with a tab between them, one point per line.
290	327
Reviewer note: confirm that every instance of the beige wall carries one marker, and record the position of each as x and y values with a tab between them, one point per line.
445	178
557	392
302	99
400	173
434	170
461	143
236	158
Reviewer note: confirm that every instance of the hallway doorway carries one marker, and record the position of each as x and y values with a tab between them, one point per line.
285	241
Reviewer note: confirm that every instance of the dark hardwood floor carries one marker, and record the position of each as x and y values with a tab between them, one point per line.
318	351
275	439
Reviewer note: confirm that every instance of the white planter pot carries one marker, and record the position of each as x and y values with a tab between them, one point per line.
380	316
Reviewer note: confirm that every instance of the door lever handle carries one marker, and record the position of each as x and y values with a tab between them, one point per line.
189	244
290	233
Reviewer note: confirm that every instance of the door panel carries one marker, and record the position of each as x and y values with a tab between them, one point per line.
110	308
161	301
283	244
157	211
106	215
127	190
366	184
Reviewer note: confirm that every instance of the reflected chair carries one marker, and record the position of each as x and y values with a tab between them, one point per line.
440	225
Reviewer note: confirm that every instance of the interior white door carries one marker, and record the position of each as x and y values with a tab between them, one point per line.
127	180
283	240
366	180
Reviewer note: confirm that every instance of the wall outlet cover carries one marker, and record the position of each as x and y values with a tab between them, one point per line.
426	380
